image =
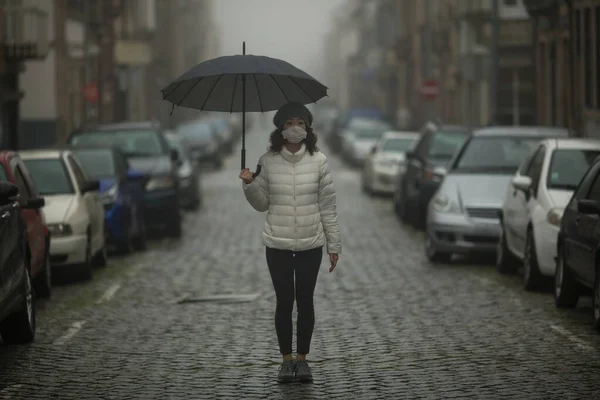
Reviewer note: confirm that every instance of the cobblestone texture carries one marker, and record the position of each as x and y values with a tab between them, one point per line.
389	324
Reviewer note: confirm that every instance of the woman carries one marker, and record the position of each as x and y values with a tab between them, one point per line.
296	190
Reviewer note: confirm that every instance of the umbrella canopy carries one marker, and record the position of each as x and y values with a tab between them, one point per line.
217	85
243	83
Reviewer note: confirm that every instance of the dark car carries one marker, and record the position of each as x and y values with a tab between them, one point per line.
13	170
148	152
17	306
203	142
122	193
425	169
578	246
190	193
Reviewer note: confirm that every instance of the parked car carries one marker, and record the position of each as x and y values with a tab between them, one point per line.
343	122
578	263
122	193
360	137
148	152
534	205
190	193
203	142
425	170
386	160
13	170
74	211
463	215
17	306
225	134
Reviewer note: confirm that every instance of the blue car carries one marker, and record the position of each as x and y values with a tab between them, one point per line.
122	192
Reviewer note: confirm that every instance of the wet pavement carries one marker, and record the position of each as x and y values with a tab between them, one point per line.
193	319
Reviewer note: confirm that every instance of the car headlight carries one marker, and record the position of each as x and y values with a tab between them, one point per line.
110	196
554	216
444	204
165	182
57	230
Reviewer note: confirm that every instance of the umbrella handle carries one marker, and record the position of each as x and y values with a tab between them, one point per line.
258	169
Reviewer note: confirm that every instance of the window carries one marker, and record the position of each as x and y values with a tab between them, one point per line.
567	167
535	169
50	176
21	184
79	175
526	164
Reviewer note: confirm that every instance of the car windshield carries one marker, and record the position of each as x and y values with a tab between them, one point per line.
567	167
98	164
396	145
50	176
137	143
502	154
445	144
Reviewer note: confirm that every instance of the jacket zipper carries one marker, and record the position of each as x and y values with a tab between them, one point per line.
295	214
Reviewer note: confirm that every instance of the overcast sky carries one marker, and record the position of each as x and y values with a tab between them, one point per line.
292	30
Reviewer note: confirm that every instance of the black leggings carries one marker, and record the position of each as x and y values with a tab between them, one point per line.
282	265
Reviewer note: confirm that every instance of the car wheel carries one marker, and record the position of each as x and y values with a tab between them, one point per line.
140	241
506	262
86	267
532	277
19	327
566	290
433	255
43	283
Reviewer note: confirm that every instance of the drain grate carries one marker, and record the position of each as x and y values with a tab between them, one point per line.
219	298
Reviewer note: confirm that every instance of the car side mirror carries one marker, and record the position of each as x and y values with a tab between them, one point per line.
90	186
522	183
8	192
174	155
34	204
590	207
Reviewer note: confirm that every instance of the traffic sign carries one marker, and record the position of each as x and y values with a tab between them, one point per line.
430	89
90	92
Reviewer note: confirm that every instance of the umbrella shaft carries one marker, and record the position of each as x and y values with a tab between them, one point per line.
244	119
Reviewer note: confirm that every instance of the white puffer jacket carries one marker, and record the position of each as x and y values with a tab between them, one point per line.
297	191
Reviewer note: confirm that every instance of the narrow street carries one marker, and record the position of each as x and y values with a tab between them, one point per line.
390	325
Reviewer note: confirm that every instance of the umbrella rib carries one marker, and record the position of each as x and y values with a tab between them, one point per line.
279	86
262	109
301	88
172	91
188	92
210	92
233	94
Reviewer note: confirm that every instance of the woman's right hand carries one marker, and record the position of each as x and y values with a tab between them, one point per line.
246	176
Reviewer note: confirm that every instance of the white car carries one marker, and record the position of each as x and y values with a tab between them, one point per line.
534	204
74	210
386	161
360	137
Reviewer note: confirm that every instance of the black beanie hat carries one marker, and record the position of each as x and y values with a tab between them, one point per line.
292	110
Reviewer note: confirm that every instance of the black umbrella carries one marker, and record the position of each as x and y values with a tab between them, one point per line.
243	83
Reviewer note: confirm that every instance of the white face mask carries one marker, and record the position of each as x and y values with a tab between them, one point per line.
294	134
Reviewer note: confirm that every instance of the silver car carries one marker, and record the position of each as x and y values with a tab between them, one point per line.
463	215
386	161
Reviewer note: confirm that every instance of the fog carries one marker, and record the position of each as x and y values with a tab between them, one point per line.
291	30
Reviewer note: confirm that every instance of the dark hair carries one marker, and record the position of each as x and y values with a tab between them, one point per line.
277	141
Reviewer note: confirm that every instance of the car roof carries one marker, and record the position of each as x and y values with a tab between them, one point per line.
521	131
42	154
572	143
120	126
400	135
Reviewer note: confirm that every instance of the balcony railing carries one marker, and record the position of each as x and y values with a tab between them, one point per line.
24	32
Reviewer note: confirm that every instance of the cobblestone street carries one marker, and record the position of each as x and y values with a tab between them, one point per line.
390	325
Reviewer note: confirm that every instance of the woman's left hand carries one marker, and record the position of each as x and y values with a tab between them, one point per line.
333	259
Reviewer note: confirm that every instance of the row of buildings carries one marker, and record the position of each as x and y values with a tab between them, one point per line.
67	62
470	62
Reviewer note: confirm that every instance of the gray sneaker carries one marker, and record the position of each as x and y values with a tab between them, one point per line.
303	373
286	372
